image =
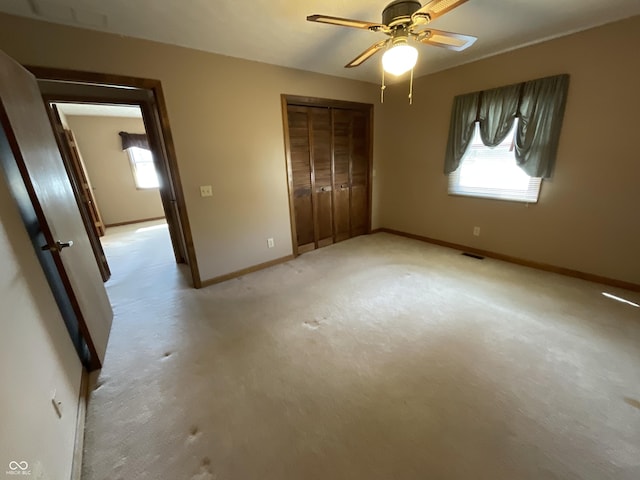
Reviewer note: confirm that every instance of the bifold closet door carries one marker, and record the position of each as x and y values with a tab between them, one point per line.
329	150
321	152
342	162
300	150
351	163
311	150
359	211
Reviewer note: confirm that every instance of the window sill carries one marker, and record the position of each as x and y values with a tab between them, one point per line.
492	197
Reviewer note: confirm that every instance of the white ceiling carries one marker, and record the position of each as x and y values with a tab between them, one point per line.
276	32
89	109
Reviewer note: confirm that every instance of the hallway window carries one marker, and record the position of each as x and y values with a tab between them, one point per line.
143	168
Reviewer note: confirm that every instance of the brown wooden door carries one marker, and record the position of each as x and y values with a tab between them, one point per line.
30	137
359	211
342	139
300	151
329	168
322	172
311	150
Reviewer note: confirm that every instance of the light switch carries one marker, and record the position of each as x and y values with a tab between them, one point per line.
206	191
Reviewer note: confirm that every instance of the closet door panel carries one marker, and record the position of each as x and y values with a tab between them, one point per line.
322	153
342	160
298	120
359	173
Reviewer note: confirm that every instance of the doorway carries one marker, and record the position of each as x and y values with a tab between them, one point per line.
116	180
66	86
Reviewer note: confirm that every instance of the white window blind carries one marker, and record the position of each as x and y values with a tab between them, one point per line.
493	173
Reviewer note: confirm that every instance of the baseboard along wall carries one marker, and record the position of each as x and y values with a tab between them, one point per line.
83	398
131	222
519	261
245	271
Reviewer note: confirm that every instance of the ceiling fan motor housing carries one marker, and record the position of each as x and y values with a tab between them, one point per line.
399	12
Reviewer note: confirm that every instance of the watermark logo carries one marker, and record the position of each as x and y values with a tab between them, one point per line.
18	468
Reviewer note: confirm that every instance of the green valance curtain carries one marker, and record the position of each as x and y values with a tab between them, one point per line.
498	111
129	140
463	117
539	106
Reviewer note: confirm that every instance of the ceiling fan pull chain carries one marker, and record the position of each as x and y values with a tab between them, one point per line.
382	88
411	89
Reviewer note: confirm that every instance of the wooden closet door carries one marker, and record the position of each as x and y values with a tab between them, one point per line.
298	123
359	173
329	170
321	156
342	180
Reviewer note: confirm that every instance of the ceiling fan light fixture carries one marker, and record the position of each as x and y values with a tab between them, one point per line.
399	59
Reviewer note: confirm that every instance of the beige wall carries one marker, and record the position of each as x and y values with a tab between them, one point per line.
36	359
109	169
226	120
588	216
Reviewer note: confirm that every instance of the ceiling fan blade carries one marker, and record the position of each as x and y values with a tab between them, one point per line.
434	9
346	22
449	40
369	52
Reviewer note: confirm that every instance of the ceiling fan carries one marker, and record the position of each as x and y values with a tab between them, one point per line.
406	22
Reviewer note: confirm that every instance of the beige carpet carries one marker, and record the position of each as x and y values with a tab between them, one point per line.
376	358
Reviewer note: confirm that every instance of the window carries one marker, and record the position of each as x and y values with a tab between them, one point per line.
493	173
144	170
480	171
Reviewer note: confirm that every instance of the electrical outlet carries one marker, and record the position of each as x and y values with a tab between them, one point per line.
476	231
206	191
270	243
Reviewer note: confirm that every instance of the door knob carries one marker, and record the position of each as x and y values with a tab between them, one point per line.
58	246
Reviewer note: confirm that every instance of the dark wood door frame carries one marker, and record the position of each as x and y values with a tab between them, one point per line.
287	100
83	87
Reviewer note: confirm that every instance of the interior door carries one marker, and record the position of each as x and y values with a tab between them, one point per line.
30	137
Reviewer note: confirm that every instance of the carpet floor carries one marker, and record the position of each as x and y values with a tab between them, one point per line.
376	358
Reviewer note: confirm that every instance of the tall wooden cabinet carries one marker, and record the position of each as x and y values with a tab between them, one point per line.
329	161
